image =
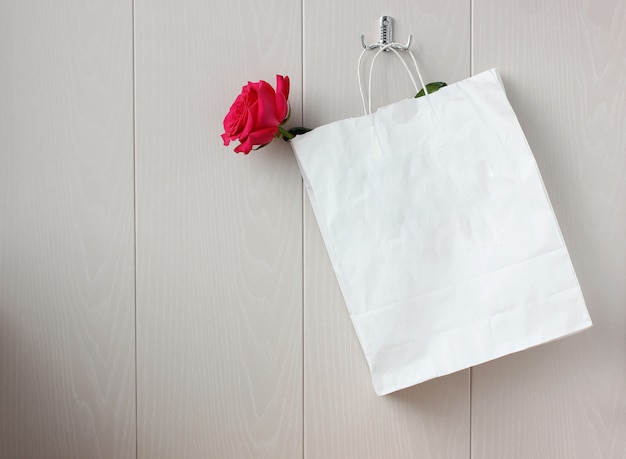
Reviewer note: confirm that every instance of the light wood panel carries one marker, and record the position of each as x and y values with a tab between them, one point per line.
220	284
219	260
343	418
564	68
67	379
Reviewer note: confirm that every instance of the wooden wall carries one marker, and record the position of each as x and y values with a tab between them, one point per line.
162	297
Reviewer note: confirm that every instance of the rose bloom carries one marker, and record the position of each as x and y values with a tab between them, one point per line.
256	114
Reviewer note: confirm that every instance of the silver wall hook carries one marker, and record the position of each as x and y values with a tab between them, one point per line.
386	36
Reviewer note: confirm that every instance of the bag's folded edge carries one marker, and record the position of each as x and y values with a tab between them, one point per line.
456	343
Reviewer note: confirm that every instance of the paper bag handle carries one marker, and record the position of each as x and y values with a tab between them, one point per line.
369	84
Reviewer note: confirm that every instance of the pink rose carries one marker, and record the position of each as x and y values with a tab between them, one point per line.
256	114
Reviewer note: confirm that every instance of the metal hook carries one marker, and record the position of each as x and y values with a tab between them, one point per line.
386	36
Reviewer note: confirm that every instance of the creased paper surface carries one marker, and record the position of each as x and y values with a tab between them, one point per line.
440	232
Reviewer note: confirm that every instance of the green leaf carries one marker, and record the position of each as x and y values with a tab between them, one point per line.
431	87
294	132
299	130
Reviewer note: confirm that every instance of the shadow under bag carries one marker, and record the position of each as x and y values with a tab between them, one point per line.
440	232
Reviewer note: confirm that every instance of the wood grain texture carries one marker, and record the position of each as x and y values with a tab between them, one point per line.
219	260
67	387
564	67
343	418
245	347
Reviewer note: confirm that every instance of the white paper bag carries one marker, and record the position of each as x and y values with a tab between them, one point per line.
440	232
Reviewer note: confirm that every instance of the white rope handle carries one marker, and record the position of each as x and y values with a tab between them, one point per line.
368	109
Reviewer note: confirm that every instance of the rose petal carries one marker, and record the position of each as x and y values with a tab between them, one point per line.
282	107
236	119
266	110
263	136
282	85
282	95
244	147
251	120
